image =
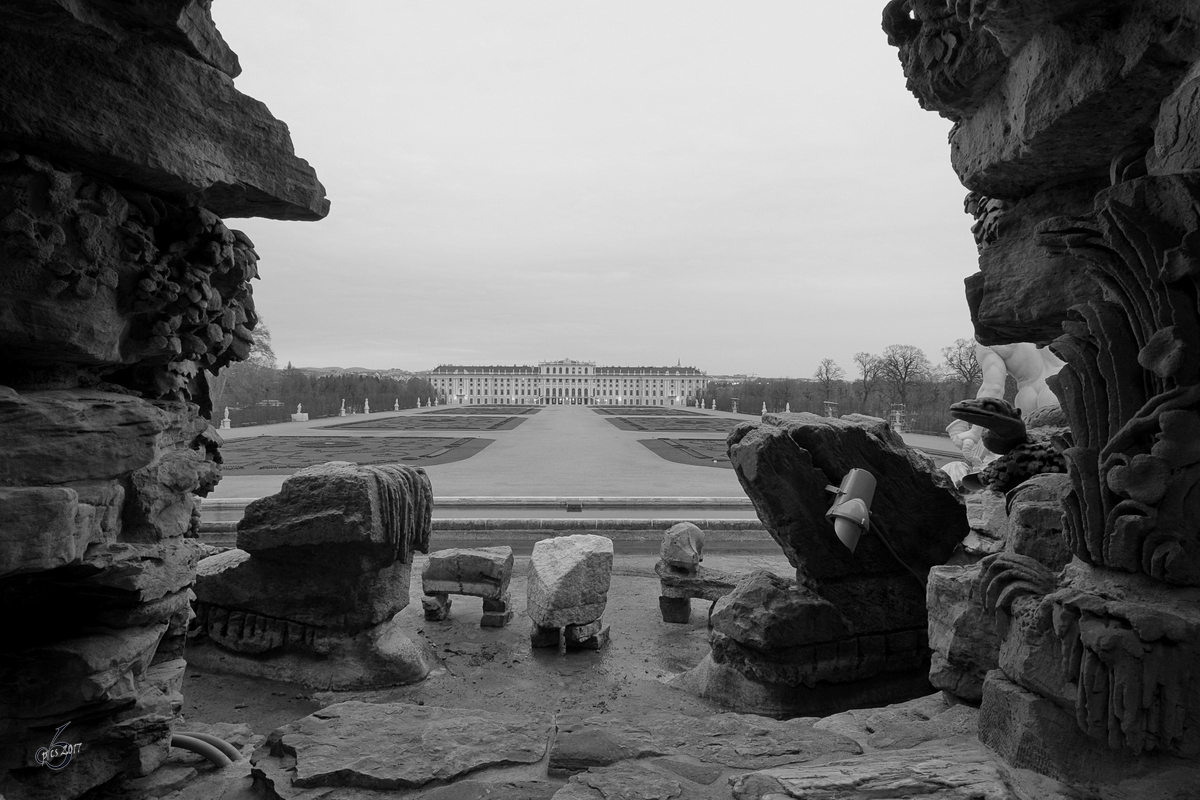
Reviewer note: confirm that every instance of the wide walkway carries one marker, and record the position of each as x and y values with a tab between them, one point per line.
561	451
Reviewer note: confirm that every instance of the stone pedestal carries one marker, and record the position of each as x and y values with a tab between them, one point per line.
321	568
568	590
475	572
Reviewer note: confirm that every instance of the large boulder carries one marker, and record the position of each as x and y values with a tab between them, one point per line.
785	463
850	628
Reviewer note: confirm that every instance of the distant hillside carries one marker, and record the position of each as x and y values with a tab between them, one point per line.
317	372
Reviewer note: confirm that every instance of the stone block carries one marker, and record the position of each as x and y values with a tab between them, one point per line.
480	572
703	583
986	514
56	437
304	594
146	572
544	637
380	513
42	528
396	746
569	578
496	619
962	634
501	605
675	609
436	606
575	634
497	613
1030	732
683	546
597	641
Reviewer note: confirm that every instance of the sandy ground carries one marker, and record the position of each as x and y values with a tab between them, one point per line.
495	668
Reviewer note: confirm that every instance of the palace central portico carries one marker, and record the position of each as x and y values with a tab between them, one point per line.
568	382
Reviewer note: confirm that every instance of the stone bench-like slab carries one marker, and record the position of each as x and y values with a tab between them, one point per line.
677	588
475	572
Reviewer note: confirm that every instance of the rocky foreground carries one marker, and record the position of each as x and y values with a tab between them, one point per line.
925	748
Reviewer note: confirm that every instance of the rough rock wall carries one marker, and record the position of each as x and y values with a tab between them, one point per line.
1075	130
122	143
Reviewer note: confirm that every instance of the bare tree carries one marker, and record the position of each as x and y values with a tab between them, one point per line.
904	365
827	374
870	371
962	365
254	370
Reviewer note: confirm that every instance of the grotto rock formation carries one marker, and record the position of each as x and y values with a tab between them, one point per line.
850	630
1075	132
320	570
122	144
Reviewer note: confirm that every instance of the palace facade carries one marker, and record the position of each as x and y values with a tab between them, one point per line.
568	382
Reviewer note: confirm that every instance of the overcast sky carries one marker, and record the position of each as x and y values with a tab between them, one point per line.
740	186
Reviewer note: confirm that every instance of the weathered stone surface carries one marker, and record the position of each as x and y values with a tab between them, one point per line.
962	634
158	119
1028	731
785	462
157	289
1080	149
56	437
986	514
42	528
309	595
480	572
331	566
1117	649
624	780
1175	147
1078	92
120	133
379	512
675	609
733	740
1023	291
395	746
131	739
959	772
849	616
281	650
682	546
702	582
766	612
789	688
144	571
905	725
98	668
436	606
568	580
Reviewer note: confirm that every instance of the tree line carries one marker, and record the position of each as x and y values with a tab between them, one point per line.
257	392
899	379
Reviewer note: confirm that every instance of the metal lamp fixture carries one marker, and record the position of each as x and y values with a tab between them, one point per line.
851	509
